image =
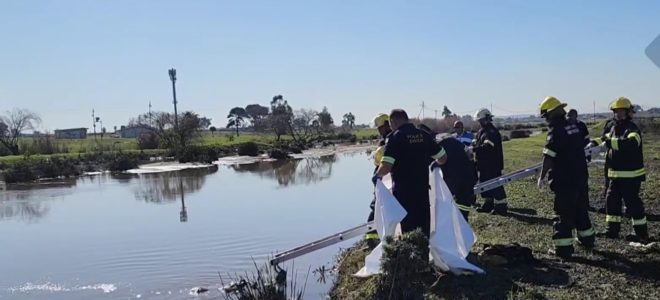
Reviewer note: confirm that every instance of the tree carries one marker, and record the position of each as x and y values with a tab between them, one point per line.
280	116
257	114
348	120
236	118
446	112
162	123
212	129
204	122
15	122
304	126
325	119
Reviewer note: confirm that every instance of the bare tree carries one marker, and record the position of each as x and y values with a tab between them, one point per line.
12	124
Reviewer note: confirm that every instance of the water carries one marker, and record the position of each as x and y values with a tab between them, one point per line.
159	235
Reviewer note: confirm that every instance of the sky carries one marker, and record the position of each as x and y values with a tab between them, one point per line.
62	59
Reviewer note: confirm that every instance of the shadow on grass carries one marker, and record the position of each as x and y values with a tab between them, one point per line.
615	262
523	211
531	219
501	282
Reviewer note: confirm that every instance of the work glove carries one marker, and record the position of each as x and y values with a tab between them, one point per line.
434	165
375	178
541	183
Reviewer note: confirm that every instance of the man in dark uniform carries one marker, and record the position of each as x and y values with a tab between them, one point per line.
490	162
458	172
572	118
563	157
406	156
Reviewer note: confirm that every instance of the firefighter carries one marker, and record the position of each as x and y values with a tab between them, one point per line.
458	172
572	118
625	172
382	123
463	136
487	148
564	160
406	156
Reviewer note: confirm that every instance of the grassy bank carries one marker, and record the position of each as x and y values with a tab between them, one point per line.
615	270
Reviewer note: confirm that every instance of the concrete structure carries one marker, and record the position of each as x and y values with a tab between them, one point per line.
72	133
133	132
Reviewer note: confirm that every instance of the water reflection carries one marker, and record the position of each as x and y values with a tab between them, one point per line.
26	202
23	210
294	171
168	186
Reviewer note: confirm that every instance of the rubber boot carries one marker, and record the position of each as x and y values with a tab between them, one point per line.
564	252
500	209
587	242
488	206
641	234
612	231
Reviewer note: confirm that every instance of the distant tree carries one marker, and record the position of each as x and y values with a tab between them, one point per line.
13	123
115	129
325	119
257	114
280	116
212	129
304	127
204	122
162	123
348	120
237	116
446	113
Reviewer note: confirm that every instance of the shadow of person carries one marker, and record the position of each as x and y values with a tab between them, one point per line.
530	219
523	211
645	269
501	281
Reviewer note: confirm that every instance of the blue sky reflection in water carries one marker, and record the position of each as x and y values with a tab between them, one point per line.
122	236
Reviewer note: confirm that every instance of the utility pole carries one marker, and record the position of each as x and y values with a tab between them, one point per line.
172	73
94	124
150	117
594	112
422	110
436	114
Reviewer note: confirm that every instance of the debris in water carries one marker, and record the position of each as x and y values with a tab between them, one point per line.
198	290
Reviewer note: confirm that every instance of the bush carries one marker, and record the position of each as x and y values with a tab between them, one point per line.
519	134
21	171
121	163
203	154
148	140
505	138
249	149
347	136
404	264
278	154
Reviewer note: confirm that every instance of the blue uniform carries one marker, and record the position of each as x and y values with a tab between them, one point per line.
465	138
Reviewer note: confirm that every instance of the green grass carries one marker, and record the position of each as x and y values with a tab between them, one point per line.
615	270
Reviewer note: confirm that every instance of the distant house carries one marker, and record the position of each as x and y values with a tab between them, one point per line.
133	131
72	133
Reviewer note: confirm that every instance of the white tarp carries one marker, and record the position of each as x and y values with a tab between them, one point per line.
451	236
387	215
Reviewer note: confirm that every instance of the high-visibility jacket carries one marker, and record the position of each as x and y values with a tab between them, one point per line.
626	159
488	149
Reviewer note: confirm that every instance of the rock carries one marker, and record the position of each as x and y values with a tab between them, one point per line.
198	290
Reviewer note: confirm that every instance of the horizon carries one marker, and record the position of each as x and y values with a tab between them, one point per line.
63	59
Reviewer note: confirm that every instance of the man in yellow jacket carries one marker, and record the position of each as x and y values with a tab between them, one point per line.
382	123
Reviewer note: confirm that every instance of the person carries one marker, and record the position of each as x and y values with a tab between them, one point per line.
487	148
406	157
625	172
564	161
463	136
382	123
458	173
603	196
572	118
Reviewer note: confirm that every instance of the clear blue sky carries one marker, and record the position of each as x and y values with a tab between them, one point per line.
63	58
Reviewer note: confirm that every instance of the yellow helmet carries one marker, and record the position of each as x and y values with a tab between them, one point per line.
621	102
380	119
549	104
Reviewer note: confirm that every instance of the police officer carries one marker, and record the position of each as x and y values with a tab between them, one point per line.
382	123
625	172
406	156
487	148
463	136
563	157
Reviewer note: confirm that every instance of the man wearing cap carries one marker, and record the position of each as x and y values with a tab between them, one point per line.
564	161
463	136
382	123
406	157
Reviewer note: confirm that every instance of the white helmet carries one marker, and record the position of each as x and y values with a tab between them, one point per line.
482	113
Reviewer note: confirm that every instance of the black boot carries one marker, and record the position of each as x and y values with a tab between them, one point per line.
488	206
641	234
465	214
500	209
612	231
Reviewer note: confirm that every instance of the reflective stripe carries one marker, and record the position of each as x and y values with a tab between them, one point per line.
563	242
638	222
615	144
388	159
612	219
625	174
489	142
371	236
588	232
608	135
503	201
635	136
549	152
464	207
439	154
598	141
